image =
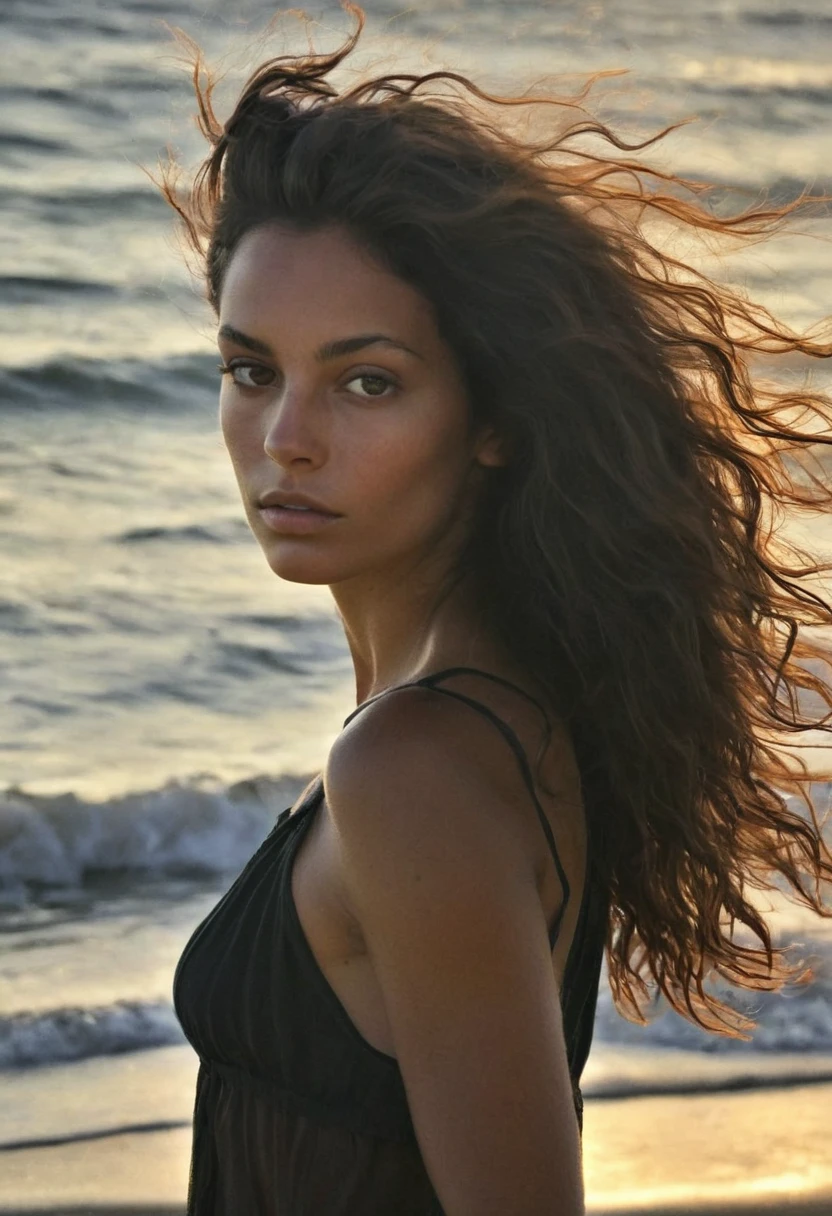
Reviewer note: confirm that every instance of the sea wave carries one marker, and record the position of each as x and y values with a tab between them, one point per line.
66	98
791	1046
83	205
819	95
57	1036
27	289
223	532
795	1019
84	384
18	142
785	18
193	826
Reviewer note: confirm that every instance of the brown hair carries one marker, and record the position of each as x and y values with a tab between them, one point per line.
628	552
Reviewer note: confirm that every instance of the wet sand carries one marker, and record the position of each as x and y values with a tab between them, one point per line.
766	1152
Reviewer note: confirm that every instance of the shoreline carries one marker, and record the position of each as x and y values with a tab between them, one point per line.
763	1152
153	1090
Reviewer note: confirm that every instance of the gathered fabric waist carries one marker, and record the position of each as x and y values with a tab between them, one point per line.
322	1109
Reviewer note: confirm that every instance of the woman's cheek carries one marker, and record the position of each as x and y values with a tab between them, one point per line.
241	432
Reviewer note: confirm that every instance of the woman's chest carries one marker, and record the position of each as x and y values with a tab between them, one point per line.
333	935
279	968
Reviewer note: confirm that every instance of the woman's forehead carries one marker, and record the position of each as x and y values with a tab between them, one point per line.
323	278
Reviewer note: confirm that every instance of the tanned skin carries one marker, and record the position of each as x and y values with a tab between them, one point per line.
425	886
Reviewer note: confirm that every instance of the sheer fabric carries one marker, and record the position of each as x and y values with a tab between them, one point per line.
296	1114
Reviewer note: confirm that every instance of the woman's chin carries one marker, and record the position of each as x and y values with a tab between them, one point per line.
300	568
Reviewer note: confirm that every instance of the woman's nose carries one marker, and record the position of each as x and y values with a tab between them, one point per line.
295	429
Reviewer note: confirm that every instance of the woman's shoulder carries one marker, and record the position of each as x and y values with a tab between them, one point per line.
408	730
414	794
415	764
420	731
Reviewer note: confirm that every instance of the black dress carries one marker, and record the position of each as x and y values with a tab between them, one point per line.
296	1113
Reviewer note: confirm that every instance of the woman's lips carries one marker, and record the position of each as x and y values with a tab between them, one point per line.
291	521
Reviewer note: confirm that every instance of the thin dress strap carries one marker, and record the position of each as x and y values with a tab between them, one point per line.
430	681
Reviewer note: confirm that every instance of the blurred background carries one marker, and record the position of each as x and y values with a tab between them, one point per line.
163	695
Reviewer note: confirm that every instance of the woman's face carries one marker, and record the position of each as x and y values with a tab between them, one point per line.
377	433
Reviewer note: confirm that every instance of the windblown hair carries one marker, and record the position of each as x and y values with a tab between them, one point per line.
628	552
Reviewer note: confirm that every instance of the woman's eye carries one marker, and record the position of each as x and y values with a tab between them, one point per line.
248	375
255	375
375	385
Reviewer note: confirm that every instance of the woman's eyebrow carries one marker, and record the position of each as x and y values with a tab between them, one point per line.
329	350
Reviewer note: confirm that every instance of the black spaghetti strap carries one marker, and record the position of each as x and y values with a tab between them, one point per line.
452	671
511	738
438	675
430	681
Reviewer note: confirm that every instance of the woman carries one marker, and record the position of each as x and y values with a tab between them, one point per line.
525	451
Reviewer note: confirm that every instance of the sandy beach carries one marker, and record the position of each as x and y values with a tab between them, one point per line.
759	1151
735	1154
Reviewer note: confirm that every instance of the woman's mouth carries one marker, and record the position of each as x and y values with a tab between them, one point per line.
296	521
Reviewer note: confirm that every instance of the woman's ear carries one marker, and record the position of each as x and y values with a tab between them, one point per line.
491	449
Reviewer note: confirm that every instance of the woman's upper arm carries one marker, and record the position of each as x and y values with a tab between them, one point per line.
445	893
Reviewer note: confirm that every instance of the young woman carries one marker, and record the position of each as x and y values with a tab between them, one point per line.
463	387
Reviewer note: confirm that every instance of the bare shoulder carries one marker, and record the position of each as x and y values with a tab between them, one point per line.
443	885
417	763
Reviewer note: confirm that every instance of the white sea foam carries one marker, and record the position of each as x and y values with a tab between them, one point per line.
61	1035
797	1019
794	1050
183	827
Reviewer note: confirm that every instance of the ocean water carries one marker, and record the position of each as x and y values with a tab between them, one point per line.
163	696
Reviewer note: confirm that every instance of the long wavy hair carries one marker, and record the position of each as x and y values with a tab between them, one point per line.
629	551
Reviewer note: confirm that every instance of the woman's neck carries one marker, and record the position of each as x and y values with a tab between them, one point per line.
401	632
